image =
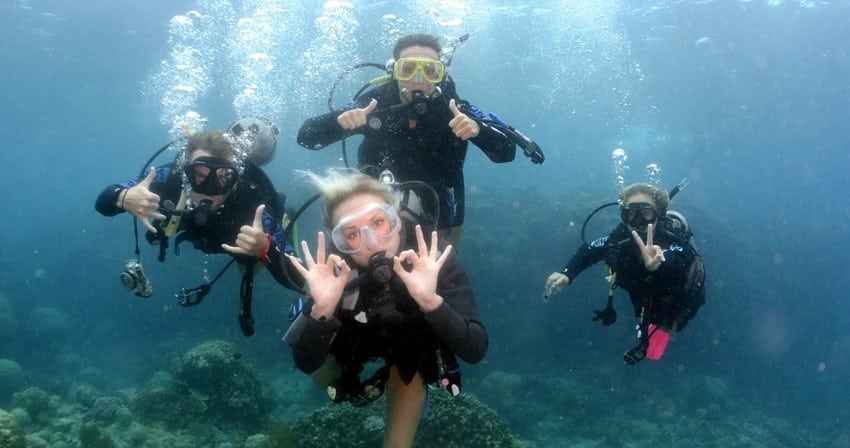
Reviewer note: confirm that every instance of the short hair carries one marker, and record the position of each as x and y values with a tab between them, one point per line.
421	40
660	197
216	142
339	185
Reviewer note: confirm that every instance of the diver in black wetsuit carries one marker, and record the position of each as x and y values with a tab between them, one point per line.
383	294
219	202
653	259
426	141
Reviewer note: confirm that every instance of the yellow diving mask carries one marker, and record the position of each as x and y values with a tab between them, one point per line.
419	70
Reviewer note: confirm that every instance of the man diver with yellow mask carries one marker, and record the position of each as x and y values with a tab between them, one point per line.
417	127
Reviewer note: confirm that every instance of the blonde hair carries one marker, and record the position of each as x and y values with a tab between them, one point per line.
339	185
660	198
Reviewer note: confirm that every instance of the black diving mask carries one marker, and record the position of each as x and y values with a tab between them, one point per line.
211	175
638	214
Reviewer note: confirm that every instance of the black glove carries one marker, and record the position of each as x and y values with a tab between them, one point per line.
635	355
608	316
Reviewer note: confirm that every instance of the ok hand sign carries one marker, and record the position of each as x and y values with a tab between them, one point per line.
421	281
326	276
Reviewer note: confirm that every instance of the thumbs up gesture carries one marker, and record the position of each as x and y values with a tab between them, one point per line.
463	127
354	118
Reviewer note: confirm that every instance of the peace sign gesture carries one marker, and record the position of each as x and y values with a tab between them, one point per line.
652	254
421	282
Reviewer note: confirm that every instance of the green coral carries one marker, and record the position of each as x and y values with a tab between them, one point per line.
230	386
173	406
92	437
452	423
282	436
212	384
11	378
36	402
11	435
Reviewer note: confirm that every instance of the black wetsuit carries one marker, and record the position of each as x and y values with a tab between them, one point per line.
428	152
387	323
670	295
254	188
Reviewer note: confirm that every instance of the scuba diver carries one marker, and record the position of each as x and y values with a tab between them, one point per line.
415	125
381	292
651	255
215	196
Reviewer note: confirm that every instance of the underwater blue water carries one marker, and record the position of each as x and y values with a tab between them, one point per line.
747	99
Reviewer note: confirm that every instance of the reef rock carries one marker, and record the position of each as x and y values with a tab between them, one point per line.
11	378
212	383
11	435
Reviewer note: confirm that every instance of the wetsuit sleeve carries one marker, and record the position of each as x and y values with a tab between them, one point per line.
587	255
310	340
321	131
106	201
457	322
318	132
493	142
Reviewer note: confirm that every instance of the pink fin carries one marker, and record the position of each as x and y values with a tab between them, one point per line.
658	340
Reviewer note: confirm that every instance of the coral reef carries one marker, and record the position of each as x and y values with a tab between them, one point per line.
258	441
48	324
452	422
173	406
91	436
11	435
211	383
35	401
11	378
106	409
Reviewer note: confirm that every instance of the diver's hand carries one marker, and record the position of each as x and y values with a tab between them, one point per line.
141	202
652	254
464	127
326	278
555	284
252	240
421	282
354	118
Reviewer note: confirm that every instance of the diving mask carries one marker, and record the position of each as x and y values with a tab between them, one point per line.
419	70
363	227
211	175
638	214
